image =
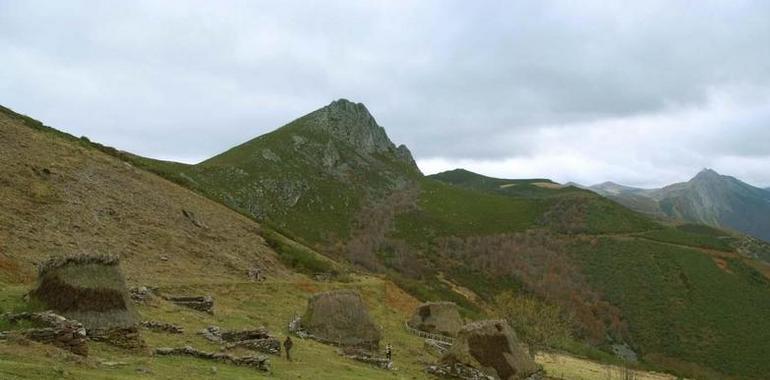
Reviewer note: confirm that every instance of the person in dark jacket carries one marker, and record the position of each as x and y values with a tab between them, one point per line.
389	352
288	344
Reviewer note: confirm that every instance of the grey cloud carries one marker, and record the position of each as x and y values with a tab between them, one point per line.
453	80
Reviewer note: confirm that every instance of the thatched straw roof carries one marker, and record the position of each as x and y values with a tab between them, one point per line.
437	318
341	317
491	346
87	288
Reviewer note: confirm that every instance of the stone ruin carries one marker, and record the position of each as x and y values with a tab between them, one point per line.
457	371
340	317
162	327
441	318
492	347
52	329
259	362
367	357
91	290
257	339
200	303
141	294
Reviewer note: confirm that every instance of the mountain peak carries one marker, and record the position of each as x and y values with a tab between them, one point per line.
707	174
352	123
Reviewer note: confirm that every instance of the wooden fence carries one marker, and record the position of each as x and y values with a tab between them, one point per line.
427	335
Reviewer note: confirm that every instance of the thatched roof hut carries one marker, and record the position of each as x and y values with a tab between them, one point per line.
89	289
492	347
341	317
437	318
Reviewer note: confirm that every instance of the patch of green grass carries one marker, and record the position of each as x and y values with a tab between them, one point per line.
522	188
679	303
12	301
605	216
435	290
446	210
693	236
298	257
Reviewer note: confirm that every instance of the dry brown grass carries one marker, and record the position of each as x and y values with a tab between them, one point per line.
61	197
560	366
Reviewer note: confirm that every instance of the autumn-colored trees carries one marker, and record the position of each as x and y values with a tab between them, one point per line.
539	324
542	263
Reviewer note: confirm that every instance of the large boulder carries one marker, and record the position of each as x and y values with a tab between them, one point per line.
437	318
340	317
491	346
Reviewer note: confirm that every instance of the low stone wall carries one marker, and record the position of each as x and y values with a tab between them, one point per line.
457	371
128	338
141	294
261	363
162	327
437	346
57	330
257	339
267	345
200	303
367	357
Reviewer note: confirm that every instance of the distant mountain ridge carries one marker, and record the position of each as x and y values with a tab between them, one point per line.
708	198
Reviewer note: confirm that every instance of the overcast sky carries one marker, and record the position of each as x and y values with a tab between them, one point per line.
644	93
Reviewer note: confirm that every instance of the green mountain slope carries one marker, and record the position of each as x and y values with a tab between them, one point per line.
308	177
674	286
708	198
333	180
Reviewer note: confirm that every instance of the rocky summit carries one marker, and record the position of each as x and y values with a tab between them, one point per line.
353	124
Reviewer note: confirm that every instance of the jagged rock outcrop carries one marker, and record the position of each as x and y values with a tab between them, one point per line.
492	347
352	123
437	318
340	317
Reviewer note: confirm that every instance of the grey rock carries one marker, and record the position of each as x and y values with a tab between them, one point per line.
270	155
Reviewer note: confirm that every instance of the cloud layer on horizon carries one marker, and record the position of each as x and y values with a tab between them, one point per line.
645	93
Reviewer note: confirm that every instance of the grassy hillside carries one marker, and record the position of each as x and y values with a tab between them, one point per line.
61	196
332	182
645	269
684	304
65	195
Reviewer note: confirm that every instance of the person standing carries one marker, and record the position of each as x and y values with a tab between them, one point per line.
288	344
389	352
